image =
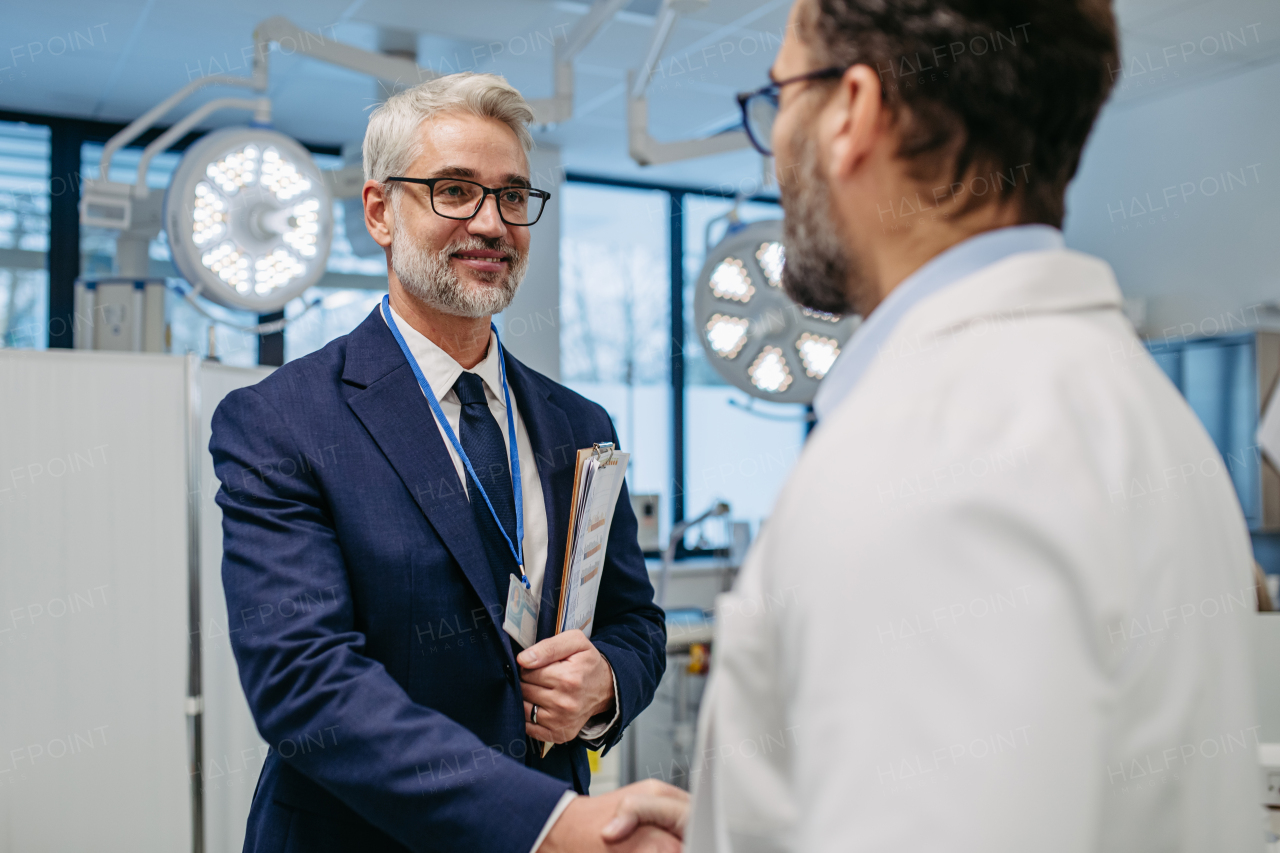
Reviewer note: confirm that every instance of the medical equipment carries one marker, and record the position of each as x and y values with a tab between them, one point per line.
718	509
756	336
249	218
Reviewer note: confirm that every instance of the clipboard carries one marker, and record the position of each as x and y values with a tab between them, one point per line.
597	481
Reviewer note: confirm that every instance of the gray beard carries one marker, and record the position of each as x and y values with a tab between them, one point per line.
431	277
819	272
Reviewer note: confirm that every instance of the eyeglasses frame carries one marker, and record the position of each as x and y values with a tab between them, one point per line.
430	183
771	91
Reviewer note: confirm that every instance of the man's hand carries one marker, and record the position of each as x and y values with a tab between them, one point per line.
569	681
579	829
650	803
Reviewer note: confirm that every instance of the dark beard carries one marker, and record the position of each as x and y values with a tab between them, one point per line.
819	273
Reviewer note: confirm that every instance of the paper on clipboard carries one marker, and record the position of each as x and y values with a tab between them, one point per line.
597	483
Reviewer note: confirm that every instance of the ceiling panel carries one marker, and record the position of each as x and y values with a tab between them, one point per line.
133	53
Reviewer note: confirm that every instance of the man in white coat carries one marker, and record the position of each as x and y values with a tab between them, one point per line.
1001	604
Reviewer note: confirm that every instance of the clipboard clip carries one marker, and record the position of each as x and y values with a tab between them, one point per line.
600	447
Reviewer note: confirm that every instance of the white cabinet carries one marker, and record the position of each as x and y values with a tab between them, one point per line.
110	553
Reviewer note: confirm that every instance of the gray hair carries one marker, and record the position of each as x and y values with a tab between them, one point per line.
392	143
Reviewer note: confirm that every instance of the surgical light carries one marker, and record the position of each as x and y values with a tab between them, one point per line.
758	339
249	218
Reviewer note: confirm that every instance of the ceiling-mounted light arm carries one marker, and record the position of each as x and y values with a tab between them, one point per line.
395	70
600	13
663	26
647	151
644	149
173	134
130	209
144	122
732	216
391	69
559	107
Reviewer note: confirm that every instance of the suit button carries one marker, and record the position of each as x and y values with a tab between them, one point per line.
506	667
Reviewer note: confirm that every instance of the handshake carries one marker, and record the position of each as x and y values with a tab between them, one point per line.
640	818
566	682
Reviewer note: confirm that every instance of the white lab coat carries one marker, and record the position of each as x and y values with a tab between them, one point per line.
1001	605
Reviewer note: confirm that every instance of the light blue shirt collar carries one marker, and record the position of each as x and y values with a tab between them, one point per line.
945	269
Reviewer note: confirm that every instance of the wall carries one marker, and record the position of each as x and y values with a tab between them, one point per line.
1177	190
531	325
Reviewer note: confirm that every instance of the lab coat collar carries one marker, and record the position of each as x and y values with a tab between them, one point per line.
940	272
1016	288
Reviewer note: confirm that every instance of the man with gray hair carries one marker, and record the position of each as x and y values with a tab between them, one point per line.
389	499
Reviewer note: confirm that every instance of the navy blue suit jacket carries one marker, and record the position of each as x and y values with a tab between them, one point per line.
365	619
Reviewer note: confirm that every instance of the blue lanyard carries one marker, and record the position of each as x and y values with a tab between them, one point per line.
517	549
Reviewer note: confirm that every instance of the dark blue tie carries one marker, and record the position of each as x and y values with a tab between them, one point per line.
482	441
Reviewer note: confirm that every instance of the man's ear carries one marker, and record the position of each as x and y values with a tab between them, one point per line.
377	213
854	117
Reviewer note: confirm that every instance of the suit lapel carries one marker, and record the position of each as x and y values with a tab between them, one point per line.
393	410
554	451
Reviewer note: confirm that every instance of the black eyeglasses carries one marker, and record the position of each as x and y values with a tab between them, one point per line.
760	108
455	198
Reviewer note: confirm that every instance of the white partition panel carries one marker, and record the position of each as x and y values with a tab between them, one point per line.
93	593
103	462
233	751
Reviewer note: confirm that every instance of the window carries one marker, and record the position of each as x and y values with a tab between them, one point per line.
738	449
351	287
340	311
24	235
615	338
189	330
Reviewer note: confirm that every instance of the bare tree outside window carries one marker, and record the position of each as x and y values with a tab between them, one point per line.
615	332
24	234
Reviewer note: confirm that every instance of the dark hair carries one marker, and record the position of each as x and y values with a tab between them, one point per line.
1010	87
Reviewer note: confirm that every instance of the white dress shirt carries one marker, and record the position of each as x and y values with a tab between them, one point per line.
1002	603
441	372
